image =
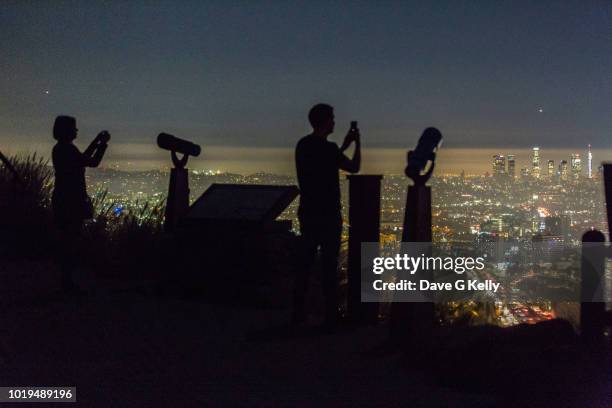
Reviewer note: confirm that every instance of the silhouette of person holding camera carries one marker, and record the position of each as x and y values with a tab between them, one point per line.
70	202
318	162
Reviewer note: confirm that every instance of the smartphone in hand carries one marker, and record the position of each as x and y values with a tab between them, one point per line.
104	136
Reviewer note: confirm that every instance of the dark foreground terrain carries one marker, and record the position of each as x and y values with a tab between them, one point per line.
122	344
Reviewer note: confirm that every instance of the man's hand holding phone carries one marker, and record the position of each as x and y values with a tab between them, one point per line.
352	135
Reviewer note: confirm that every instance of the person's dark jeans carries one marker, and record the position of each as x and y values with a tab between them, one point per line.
323	232
67	251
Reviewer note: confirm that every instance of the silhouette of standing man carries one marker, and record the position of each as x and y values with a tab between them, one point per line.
70	202
318	162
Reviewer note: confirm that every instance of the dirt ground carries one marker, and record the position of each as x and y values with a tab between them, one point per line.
122	344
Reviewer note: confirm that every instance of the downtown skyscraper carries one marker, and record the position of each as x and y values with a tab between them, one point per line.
563	170
551	168
499	165
511	166
535	162
575	165
590	163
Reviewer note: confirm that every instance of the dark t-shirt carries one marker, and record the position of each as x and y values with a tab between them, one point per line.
318	163
70	191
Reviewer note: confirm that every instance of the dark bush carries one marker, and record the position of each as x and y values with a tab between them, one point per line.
26	228
117	243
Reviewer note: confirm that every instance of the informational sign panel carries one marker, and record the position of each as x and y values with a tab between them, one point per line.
242	203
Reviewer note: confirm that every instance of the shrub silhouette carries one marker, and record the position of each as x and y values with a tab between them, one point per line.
25	211
120	242
127	243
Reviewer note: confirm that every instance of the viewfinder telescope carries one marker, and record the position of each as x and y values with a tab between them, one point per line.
429	142
174	144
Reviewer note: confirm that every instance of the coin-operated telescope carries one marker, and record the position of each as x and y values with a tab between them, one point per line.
423	155
177	203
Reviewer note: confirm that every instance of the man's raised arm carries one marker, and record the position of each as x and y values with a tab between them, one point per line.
351	165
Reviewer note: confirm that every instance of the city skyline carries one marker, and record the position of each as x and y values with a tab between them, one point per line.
505	207
499	168
277	160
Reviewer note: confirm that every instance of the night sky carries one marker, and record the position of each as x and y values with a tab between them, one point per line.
486	73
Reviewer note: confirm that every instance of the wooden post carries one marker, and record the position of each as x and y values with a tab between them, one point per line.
364	226
607	170
592	287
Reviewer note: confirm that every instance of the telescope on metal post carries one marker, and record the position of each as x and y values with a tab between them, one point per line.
413	323
178	192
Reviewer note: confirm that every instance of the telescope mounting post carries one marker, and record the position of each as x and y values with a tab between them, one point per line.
177	204
412	324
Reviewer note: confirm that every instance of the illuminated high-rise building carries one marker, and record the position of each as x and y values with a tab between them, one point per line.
535	162
590	163
511	166
499	165
551	168
558	225
575	165
563	169
524	172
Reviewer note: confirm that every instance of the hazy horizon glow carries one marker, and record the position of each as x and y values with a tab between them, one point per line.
249	160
